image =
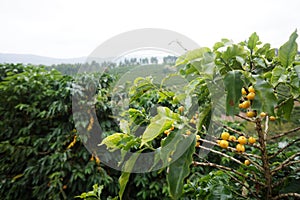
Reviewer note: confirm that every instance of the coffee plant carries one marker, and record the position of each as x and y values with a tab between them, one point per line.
228	134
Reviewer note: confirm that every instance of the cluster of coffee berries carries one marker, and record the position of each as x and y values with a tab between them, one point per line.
168	131
242	140
248	95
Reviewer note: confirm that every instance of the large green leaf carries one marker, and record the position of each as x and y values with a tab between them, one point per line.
265	99
297	69
278	75
191	55
286	108
180	169
112	141
288	51
141	85
252	42
233	85
162	121
127	168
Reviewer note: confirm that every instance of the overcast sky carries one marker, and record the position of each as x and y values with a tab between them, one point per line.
70	28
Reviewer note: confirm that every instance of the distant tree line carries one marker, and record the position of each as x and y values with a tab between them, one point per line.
72	69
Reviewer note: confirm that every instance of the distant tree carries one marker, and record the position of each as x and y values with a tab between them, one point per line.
153	60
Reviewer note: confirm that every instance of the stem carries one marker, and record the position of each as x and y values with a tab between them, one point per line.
223	154
286	195
245	118
265	159
285	133
221	167
237	180
287	162
285	178
284	148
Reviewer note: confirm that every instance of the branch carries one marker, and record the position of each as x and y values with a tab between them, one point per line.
223	154
267	125
286	163
285	133
240	182
233	149
284	178
280	196
227	169
235	131
254	163
245	118
284	148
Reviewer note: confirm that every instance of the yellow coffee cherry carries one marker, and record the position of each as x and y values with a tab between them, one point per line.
242	140
251	96
167	132
272	118
224	144
251	114
181	109
225	135
232	138
247	162
244	92
251	89
263	114
240	148
246	104
252	140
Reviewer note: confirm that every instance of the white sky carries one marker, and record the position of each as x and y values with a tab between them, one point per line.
70	28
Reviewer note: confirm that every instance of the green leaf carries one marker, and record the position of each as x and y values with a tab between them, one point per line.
141	85
297	70
233	84
127	168
179	170
113	140
191	55
162	121
288	51
233	51
124	126
286	108
265	99
278	75
252	42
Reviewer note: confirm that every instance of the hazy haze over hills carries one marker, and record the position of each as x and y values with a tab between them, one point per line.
37	60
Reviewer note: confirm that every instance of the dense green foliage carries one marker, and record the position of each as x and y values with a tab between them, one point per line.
178	117
37	128
215	79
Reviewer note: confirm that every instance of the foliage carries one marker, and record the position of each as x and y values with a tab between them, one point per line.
215	79
41	157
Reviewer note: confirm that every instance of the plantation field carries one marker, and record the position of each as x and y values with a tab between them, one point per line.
222	123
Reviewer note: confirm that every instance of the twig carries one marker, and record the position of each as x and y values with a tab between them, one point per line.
239	181
267	125
220	153
285	133
235	131
227	169
254	163
284	148
245	118
232	149
280	196
264	158
284	178
286	163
